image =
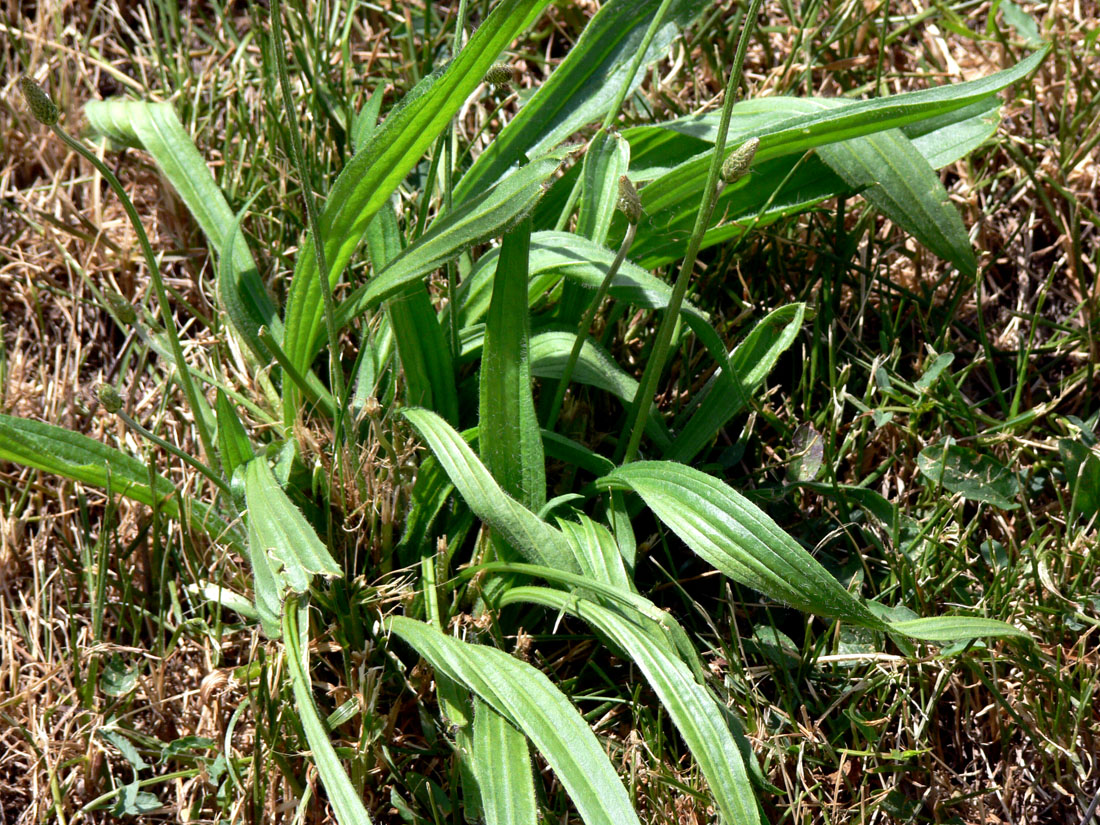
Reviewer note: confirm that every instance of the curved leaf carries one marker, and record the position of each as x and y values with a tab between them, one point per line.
527	699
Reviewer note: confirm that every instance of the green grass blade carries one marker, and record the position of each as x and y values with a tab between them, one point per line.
738	538
376	170
582	87
750	363
345	802
511	445
474	222
692	709
533	538
424	352
527	699
502	765
64	453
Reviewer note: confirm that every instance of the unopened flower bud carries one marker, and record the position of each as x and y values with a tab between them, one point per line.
43	109
500	76
108	396
629	202
737	164
122	308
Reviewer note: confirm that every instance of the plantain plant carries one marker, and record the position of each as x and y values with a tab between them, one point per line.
532	240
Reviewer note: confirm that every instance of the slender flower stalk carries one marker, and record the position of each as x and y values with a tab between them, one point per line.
46	112
631	206
278	46
656	363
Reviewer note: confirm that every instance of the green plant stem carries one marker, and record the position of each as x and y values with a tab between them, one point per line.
655	365
639	58
451	147
183	372
174	450
613	111
586	325
279	48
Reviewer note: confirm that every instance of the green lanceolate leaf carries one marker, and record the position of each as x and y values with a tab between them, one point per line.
233	443
954	628
345	802
583	87
376	170
537	541
595	549
511	445
528	700
474	222
155	128
738	538
750	363
279	531
64	453
502	765
692	709
970	474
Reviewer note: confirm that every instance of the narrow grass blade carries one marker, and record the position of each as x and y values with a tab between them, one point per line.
502	765
511	445
64	453
582	87
750	363
155	128
527	699
739	539
474	222
345	802
533	538
376	170
692	709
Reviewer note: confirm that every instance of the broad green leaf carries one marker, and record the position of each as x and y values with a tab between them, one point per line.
750	363
345	802
474	222
377	169
582	87
502	765
511	445
972	475
155	128
690	706
855	119
738	538
954	628
533	538
279	531
527	699
64	453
